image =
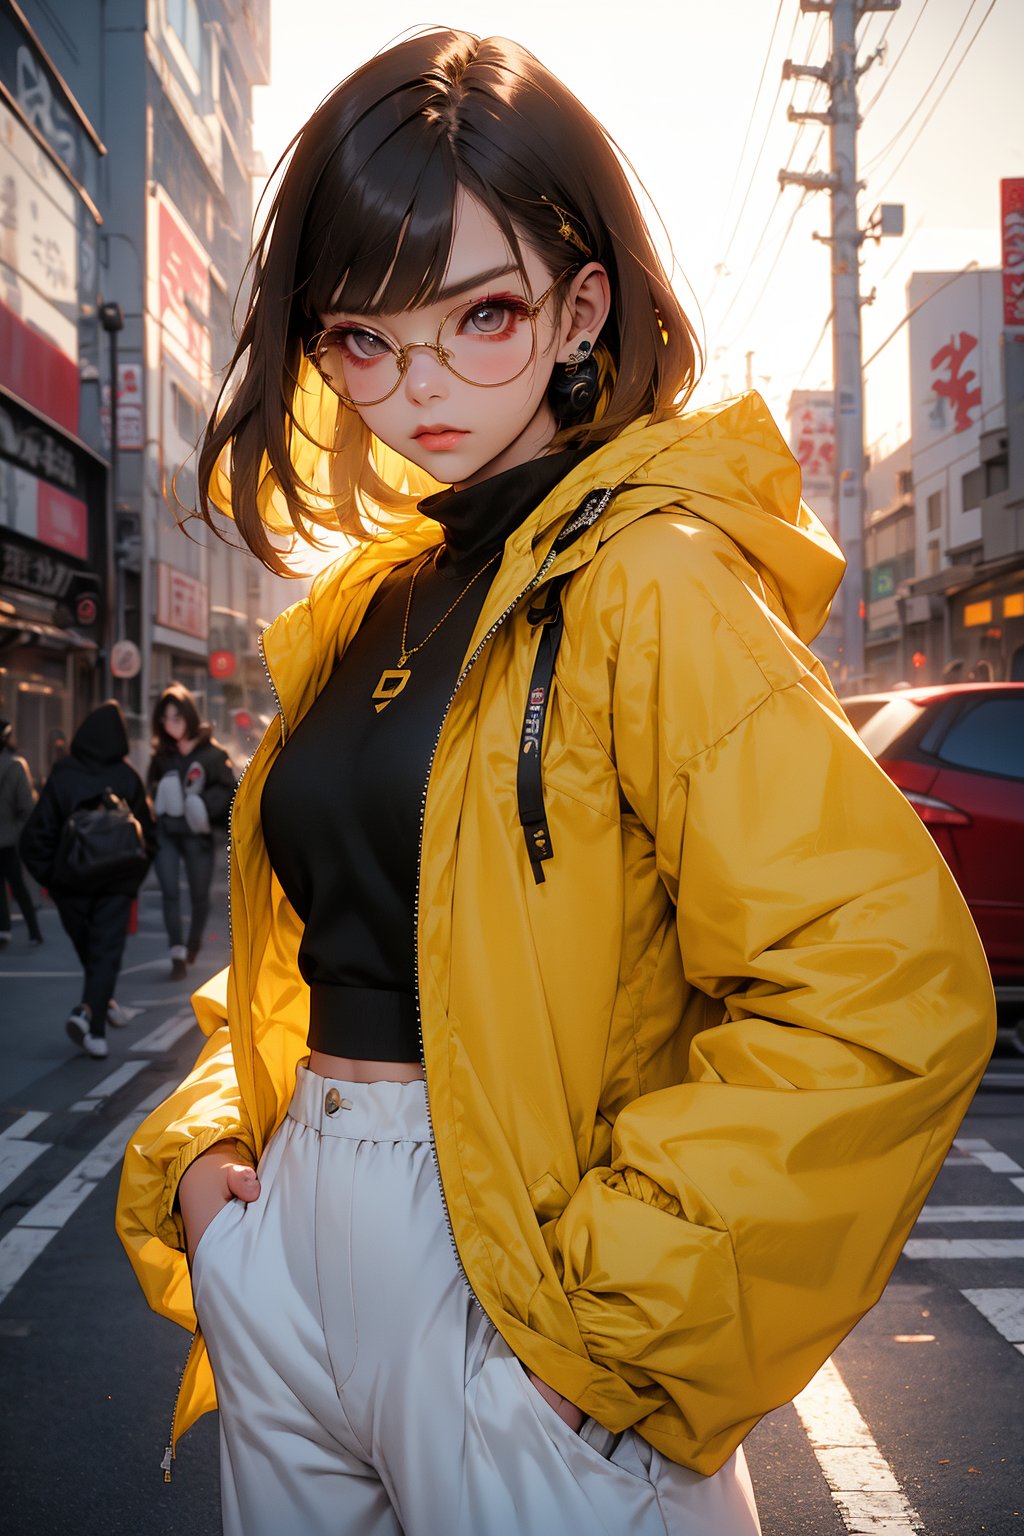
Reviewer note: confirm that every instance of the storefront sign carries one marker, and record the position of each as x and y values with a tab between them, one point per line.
181	602
1012	223
222	664
33	446
31	569
125	659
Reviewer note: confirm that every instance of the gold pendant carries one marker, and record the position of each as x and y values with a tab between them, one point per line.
389	686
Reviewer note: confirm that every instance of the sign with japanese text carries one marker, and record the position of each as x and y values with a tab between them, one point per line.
129	408
1012	227
813	440
955	380
181	602
38	236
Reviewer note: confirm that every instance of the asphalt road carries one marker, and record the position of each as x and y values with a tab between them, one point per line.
916	1426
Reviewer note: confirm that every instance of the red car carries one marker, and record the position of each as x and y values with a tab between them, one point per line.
957	753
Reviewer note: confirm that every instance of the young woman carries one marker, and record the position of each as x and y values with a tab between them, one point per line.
191	780
598	1013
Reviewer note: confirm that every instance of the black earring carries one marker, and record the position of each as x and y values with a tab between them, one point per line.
574	385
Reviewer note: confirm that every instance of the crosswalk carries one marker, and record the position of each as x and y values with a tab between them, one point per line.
985	1226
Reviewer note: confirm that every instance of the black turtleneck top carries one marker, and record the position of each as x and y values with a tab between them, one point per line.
341	805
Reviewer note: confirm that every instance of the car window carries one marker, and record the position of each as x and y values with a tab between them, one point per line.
859	711
881	730
988	738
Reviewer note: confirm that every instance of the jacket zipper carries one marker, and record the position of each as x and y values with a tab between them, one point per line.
541	573
165	1465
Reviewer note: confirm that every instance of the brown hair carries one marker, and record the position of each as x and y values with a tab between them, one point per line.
178	695
363	220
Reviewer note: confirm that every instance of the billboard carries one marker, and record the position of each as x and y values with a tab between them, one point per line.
812	437
1012	228
180	289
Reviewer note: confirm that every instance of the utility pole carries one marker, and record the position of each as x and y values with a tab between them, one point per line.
844	241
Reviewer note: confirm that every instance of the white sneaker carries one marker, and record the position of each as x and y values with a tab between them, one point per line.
78	1028
119	1016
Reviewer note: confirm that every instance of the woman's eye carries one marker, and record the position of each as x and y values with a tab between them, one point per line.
493	318
364	345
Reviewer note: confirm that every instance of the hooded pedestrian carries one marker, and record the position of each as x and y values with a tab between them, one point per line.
89	840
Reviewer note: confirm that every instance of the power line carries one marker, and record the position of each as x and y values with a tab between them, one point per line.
896	60
971	265
720	267
876	158
934	106
817	345
768	276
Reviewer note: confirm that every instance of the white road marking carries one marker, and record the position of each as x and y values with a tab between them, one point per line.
23	1244
110	1085
16	1156
26	1123
863	1485
167	1034
1004	1309
981	1151
971	1213
964	1248
1018	1184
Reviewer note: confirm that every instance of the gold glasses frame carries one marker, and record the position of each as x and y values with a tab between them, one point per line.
315	347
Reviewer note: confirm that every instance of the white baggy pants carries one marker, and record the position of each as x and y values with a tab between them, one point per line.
363	1392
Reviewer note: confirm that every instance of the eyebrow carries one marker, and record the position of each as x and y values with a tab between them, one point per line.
454	289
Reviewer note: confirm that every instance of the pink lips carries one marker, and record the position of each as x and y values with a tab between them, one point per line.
439	436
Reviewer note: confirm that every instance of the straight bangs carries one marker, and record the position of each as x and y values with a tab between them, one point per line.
362	221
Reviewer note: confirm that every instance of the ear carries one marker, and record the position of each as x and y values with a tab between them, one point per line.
585	310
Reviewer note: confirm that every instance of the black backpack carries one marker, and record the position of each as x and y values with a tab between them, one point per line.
101	844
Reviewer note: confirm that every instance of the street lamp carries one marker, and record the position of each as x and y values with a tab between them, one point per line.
111	318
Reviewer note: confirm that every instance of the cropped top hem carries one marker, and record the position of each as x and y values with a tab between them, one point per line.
364	1023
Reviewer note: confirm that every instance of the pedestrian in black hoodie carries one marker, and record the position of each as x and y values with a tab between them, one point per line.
96	920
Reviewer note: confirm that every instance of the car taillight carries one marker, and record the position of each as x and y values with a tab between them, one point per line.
936	813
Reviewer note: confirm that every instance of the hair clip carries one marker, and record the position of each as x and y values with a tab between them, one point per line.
565	228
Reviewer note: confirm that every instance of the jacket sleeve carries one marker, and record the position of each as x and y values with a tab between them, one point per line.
204	1109
219	788
41	834
753	1212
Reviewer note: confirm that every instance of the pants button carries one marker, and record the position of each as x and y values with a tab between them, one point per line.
334	1102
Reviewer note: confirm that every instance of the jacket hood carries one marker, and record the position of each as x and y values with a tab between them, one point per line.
101	737
726	463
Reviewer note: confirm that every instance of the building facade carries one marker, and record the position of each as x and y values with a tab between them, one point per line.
52	476
167	87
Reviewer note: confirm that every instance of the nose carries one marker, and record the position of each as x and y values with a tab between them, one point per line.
426	377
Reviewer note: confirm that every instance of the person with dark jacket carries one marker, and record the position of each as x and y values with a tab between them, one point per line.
192	781
16	800
95	918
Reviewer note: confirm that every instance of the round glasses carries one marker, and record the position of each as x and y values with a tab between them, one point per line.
487	342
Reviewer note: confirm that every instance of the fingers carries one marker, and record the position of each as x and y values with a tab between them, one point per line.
242	1182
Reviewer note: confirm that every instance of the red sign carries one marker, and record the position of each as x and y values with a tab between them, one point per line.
62	521
222	663
1012	223
184	291
960	384
86	611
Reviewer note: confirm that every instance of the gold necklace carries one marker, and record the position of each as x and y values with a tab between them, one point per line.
393	679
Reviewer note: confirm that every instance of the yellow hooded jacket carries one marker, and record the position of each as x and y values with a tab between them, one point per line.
689	1093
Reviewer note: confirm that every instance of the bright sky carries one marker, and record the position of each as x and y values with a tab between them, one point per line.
676	84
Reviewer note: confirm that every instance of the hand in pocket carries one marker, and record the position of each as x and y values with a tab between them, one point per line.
572	1415
207	1185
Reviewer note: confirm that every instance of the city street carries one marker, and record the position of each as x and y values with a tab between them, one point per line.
918	1427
